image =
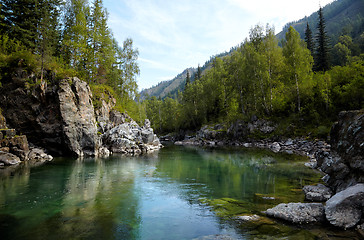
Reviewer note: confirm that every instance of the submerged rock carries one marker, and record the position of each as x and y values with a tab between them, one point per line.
319	193
345	208
298	212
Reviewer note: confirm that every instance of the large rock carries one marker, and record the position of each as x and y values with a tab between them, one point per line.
345	208
8	159
130	138
78	117
319	193
344	166
298	212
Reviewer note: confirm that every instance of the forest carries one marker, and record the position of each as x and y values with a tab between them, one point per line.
299	84
49	40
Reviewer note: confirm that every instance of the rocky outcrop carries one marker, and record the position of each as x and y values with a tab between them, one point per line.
298	212
345	209
130	138
78	118
318	193
344	165
61	118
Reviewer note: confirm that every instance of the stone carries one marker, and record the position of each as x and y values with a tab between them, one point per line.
77	112
298	212
345	163
9	159
104	152
129	138
146	124
39	155
319	193
247	218
345	208
275	147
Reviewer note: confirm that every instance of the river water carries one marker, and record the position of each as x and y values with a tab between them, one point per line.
176	193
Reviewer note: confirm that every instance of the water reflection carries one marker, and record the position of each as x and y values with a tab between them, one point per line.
151	197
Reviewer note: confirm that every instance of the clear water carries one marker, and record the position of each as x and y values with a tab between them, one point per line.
171	194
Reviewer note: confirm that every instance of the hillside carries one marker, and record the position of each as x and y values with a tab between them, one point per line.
342	17
171	87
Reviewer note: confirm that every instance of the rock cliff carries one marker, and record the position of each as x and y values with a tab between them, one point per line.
61	118
344	165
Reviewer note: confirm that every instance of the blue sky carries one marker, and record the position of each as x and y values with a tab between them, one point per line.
172	35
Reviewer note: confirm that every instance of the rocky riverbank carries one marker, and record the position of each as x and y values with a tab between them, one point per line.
340	201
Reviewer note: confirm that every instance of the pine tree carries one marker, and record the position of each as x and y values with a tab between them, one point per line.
322	61
308	39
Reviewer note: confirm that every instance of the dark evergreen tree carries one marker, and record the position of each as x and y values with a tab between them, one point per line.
188	79
198	74
322	61
20	19
308	39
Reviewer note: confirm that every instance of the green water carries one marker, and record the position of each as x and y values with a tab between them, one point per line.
176	193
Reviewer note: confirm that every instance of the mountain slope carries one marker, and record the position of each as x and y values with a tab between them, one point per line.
342	17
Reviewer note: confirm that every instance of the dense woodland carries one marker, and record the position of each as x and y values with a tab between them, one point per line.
48	40
301	85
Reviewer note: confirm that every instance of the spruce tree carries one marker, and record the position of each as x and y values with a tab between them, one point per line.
198	74
188	80
20	20
308	39
322	61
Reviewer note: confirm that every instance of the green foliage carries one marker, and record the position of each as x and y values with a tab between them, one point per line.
263	79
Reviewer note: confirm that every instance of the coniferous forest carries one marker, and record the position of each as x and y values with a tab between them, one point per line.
52	39
300	84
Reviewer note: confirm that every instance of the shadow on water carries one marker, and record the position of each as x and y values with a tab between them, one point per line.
177	193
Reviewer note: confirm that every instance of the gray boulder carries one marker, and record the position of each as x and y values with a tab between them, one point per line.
345	208
130	138
8	159
298	212
39	155
319	193
77	112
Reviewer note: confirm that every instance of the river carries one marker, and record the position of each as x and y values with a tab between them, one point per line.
176	193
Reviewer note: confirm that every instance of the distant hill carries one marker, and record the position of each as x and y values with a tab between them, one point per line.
171	87
341	16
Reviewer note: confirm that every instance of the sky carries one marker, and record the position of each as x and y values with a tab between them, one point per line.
172	35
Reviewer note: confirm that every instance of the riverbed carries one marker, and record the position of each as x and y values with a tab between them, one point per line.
175	193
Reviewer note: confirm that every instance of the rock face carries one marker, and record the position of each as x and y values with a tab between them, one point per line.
345	208
78	118
319	193
298	212
344	166
61	118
